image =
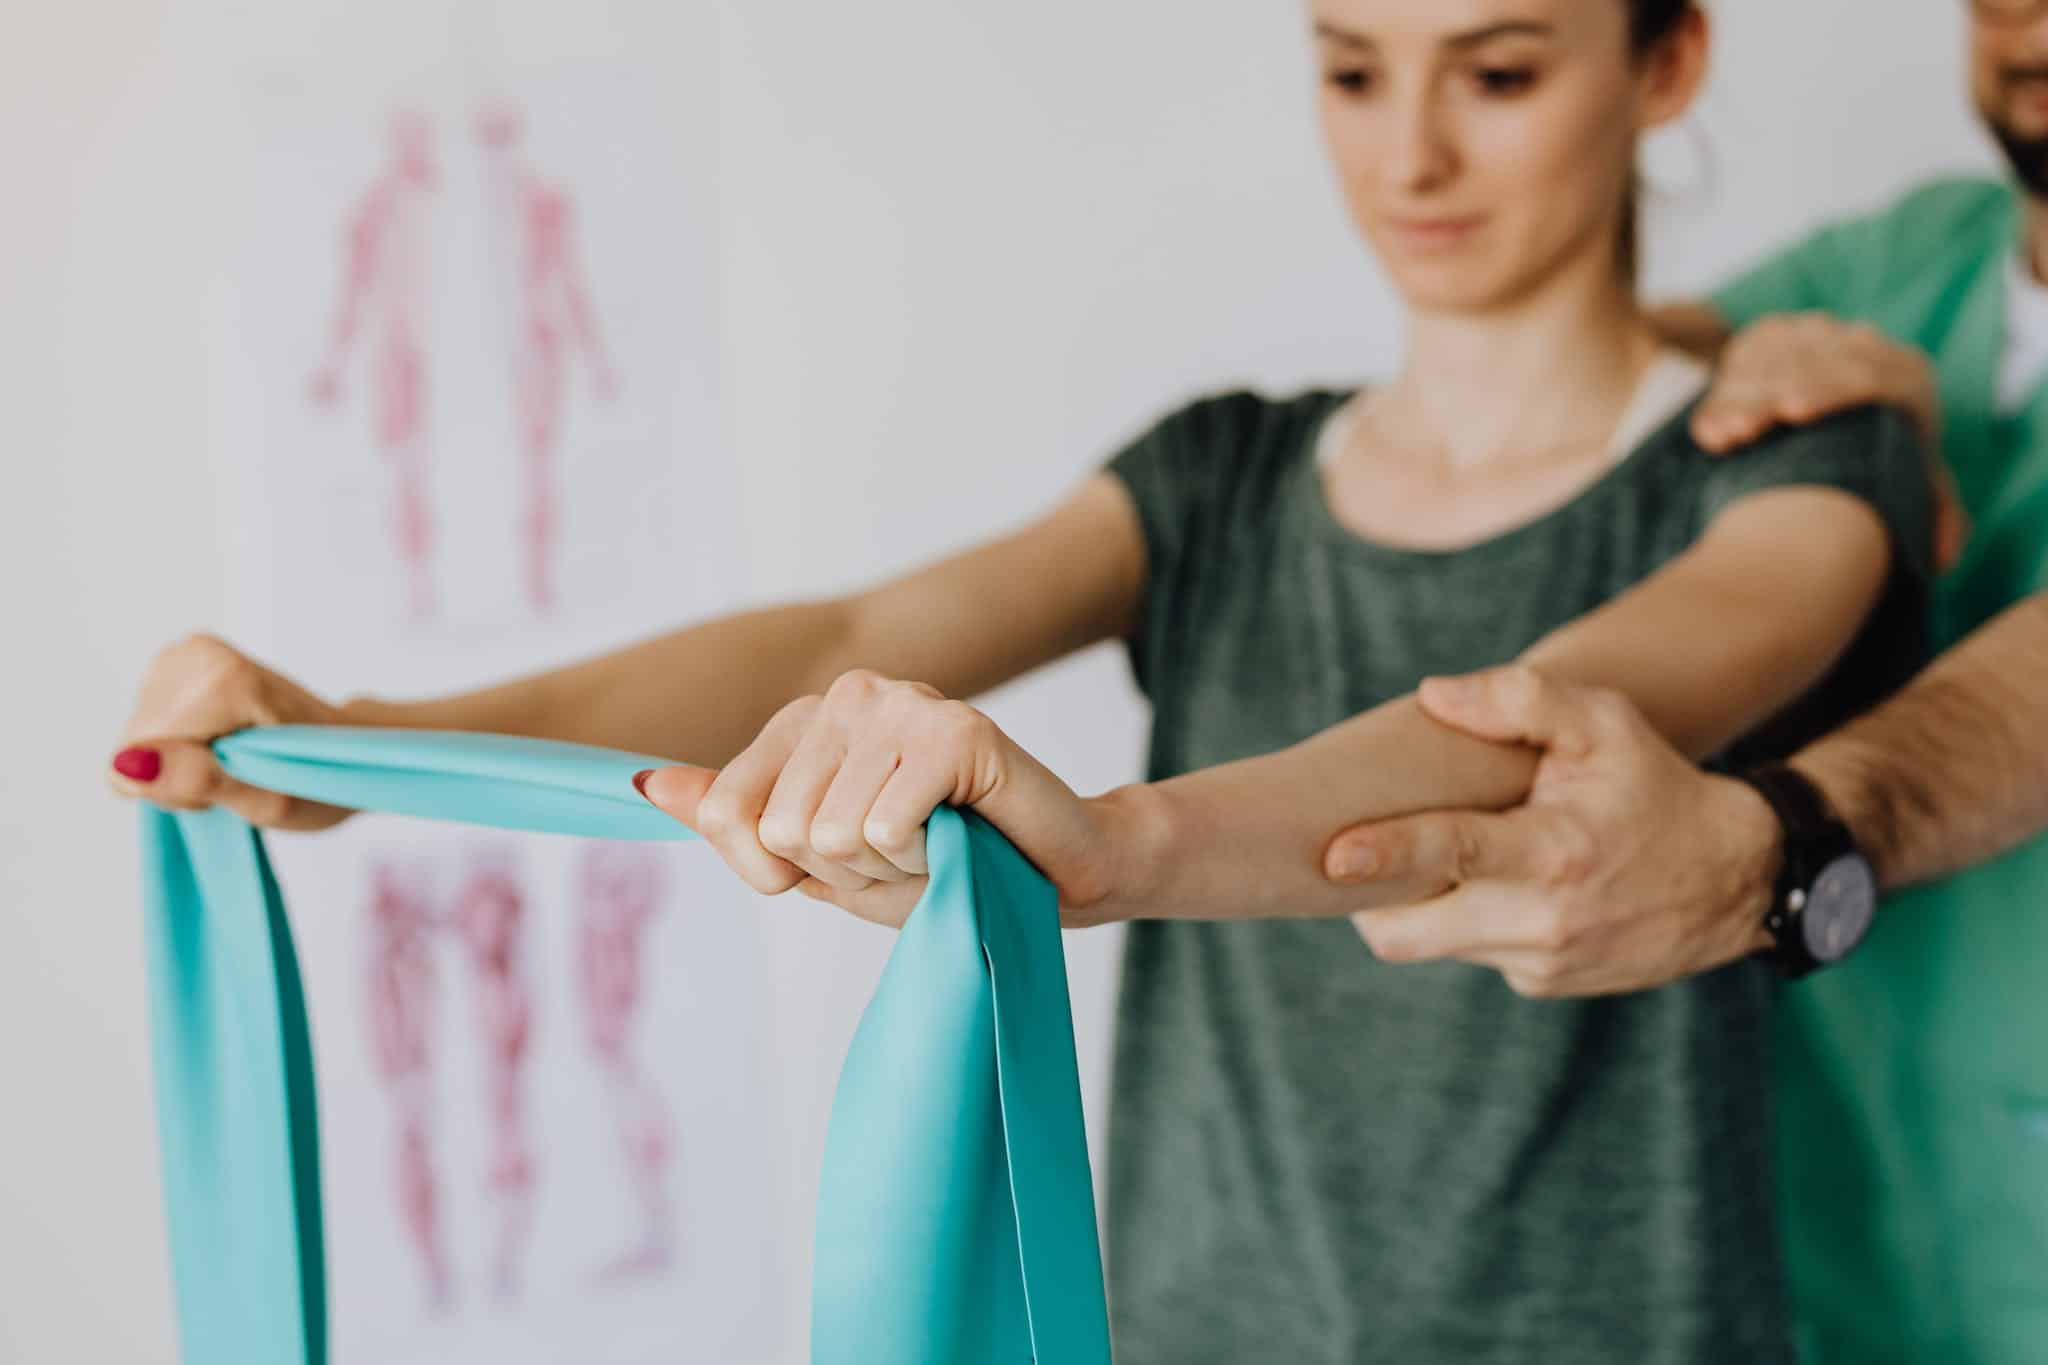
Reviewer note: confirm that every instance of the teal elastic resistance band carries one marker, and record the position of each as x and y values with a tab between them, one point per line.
956	1216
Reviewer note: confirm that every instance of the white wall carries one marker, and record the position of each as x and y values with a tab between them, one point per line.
966	248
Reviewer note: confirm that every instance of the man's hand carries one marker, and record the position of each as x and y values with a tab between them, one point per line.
1796	368
1626	868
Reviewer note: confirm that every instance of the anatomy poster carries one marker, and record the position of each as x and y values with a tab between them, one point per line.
466	378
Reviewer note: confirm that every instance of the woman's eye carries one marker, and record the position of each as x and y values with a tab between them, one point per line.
1504	80
1351	81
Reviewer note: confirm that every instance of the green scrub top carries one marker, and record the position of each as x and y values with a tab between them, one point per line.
1913	1079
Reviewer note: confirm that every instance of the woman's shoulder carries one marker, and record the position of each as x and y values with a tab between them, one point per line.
1227	442
1873	451
1874	436
1236	424
1218	466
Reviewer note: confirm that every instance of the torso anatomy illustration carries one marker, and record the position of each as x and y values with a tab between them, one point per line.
382	311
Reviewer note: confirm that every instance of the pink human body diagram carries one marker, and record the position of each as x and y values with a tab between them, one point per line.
618	891
386	283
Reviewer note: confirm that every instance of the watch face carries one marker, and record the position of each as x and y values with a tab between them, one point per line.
1839	908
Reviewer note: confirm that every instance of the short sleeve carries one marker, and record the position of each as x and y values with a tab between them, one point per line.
1874	453
1854	268
1179	476
1814	275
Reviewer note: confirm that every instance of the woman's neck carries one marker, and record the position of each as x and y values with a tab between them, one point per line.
1549	373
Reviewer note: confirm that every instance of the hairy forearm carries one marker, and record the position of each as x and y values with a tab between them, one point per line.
700	694
1954	769
1237	841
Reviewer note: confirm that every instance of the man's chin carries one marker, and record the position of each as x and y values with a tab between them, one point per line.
2027	155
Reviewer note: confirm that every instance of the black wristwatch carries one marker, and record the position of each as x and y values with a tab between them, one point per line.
1826	893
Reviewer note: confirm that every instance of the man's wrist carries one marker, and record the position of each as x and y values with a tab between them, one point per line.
1752	854
1844	776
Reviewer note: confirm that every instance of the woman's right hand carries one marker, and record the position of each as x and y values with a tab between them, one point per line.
196	691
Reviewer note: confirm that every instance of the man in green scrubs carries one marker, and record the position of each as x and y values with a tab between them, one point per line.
1913	1123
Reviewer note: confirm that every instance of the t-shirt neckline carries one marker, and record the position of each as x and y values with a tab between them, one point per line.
1665	395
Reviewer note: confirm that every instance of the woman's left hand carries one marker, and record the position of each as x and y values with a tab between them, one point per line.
831	798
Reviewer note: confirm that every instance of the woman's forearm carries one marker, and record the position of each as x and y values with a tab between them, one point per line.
698	694
1231	842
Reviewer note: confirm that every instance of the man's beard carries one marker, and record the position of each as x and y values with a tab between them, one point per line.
2028	157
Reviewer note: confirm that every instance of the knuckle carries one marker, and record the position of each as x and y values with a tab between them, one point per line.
856	686
768	881
781	836
1554	930
1572	857
797	714
203	782
835	839
222	671
1464	850
717	815
1540	981
271	808
887	837
198	646
1521	685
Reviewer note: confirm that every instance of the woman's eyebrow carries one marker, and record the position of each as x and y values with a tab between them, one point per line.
1523	28
1515	28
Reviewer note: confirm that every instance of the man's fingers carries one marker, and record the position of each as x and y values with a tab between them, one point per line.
1728	421
1951	535
1472	923
1518	705
1434	849
1951	519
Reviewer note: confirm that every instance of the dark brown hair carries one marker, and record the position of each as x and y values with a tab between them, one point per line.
1650	22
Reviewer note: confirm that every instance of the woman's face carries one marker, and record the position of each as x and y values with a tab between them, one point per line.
1484	144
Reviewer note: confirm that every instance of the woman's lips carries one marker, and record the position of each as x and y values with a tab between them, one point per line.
1434	233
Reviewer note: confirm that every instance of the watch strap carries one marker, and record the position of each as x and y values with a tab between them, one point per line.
1812	837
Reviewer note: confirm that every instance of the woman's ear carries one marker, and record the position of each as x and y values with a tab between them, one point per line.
1675	69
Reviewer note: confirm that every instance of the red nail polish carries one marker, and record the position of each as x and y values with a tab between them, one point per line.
139	765
640	781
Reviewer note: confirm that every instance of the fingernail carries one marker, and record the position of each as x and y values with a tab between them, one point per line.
640	781
1356	864
139	765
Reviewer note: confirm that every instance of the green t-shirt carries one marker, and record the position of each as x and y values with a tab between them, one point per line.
1318	1158
1913	1078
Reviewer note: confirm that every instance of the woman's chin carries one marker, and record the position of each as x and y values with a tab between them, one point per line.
1449	286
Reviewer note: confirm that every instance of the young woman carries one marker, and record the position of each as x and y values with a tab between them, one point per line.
1316	1156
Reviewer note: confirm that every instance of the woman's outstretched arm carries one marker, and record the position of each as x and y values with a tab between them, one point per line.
828	798
970	622
966	624
1708	648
